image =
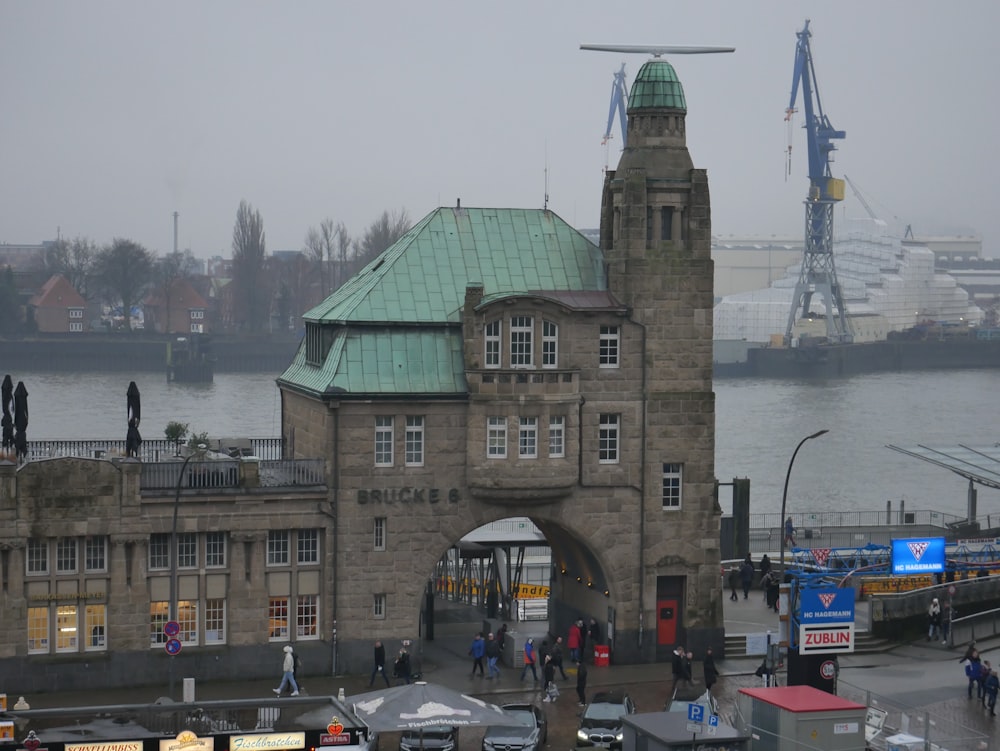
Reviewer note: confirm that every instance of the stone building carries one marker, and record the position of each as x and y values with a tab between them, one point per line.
494	363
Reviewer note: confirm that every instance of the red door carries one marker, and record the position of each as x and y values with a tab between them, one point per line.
666	622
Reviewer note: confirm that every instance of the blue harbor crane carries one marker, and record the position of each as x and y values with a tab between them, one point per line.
619	100
818	274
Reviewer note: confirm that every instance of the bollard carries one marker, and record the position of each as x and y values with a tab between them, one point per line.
340	694
189	690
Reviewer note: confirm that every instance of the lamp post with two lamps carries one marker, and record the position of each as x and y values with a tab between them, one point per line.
199	451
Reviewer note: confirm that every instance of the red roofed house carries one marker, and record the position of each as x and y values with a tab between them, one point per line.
57	308
178	309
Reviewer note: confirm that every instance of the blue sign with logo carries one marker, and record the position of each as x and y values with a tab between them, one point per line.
826	605
918	556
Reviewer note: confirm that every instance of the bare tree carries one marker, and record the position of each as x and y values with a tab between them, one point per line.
73	259
320	246
123	270
382	233
344	244
167	271
252	293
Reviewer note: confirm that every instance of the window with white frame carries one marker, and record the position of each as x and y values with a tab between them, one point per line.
550	344
383	440
557	436
278	547
378	607
187	550
307	617
96	627
308	546
414	456
609	344
673	481
76	312
527	438
496	437
608	439
38	630
215	621
37	556
187	619
159	614
215	550
75	326
67	628
197	315
159	551
197	328
491	336
378	533
66	555
95	556
520	341
277	613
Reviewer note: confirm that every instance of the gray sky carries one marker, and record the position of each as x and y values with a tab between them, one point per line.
118	113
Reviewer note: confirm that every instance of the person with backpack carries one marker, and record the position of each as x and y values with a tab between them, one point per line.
973	671
529	659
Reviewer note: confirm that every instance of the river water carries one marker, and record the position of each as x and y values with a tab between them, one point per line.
758	424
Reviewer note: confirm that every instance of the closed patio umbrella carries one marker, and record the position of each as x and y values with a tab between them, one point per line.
7	397
21	421
132	438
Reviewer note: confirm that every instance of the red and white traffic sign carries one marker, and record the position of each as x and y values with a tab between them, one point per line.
826	638
828	670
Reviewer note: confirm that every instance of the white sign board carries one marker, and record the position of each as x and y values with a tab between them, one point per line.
825	638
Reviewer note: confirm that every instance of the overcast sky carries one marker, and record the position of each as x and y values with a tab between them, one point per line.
116	114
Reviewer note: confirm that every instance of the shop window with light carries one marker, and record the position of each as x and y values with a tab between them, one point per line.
38	631
521	352
187	550
378	533
37	556
527	438
491	335
278	547
550	344
673	483
215	621
557	437
496	437
187	619
378	607
277	613
159	552
67	627
159	614
307	617
308	546
610	337
95	627
215	550
383	440
414	441
95	556
608	439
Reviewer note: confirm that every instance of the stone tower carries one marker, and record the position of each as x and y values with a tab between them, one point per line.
655	235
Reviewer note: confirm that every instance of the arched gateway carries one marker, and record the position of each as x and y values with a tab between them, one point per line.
495	363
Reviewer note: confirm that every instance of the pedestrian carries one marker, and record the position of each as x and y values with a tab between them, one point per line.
990	685
676	670
549	675
746	576
581	683
492	655
765	565
582	628
946	616
985	669
968	651
378	667
711	672
502	636
529	659
934	620
973	670
287	677
734	583
594	632
573	642
557	656
296	662
401	669
477	651
543	652
773	593
789	532
689	668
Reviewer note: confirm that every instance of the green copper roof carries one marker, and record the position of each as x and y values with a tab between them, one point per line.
656	87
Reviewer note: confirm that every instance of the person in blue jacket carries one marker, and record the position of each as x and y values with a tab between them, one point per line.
477	651
529	659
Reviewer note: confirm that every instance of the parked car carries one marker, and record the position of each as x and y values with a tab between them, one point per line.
527	730
434	738
601	722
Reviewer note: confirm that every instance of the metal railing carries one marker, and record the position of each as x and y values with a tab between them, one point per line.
152	450
820	519
970	628
287	472
216	473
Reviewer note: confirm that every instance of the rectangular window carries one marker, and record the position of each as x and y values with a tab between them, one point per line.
37	556
608	439
527	438
197	328
38	630
197	315
67	628
96	553
491	335
215	550
159	614
557	437
496	437
378	607
76	312
308	547
277	547
520	341
187	550
673	480
414	441
610	336
666	222
66	549
159	551
383	441
550	344
96	627
75	326
378	533
307	617
277	612
187	619
215	621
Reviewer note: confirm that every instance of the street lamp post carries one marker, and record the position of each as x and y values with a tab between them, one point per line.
784	495
172	605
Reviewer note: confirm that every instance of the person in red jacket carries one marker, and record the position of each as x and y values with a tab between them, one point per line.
573	642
